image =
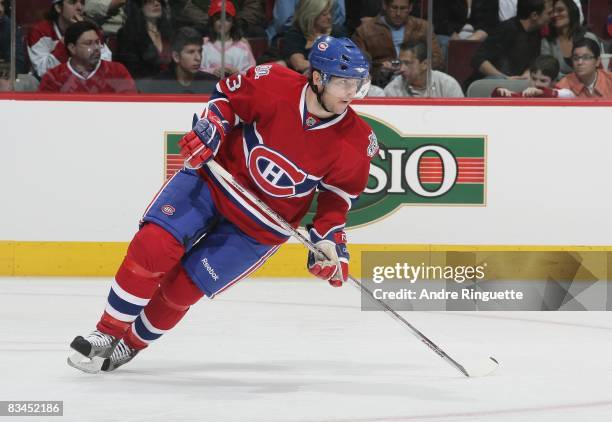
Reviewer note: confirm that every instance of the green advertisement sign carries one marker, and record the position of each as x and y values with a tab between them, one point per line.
408	170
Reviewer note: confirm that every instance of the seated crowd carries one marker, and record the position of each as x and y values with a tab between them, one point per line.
184	46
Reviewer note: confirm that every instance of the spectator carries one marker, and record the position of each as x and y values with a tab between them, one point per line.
463	20
507	9
588	79
543	74
5	42
565	29
312	19
46	38
143	43
252	17
514	44
382	35
108	14
5	82
412	80
184	75
190	13
238	54
85	71
283	17
375	91
358	9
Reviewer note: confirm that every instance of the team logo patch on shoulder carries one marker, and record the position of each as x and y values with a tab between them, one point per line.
262	70
322	46
168	209
373	145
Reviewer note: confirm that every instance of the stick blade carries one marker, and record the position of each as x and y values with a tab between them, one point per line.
482	368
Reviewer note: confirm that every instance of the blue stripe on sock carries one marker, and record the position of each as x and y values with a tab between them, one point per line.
142	331
123	306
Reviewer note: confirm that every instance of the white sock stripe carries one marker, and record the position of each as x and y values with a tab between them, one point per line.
118	315
128	297
133	328
148	325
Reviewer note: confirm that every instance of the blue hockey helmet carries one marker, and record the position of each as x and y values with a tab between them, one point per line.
338	57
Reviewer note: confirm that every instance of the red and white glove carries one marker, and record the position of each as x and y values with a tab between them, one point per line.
332	267
202	143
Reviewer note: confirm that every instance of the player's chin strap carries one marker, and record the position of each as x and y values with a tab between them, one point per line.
484	368
315	89
319	95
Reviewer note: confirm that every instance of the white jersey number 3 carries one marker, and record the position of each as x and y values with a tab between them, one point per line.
234	84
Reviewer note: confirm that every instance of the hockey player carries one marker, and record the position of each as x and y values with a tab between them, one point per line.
283	137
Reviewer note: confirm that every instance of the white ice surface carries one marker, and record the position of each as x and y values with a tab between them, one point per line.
299	350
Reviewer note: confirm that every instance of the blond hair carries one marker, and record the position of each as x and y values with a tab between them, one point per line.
307	13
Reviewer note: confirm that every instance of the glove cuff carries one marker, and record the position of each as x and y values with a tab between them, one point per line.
336	236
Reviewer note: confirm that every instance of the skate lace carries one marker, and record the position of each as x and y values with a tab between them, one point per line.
122	353
99	339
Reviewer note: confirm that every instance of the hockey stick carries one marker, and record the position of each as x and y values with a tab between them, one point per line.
486	367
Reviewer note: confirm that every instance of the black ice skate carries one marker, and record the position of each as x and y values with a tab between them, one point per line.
91	351
121	355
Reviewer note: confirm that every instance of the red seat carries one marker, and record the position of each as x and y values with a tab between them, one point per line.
597	17
281	45
424	10
460	53
29	11
259	46
111	42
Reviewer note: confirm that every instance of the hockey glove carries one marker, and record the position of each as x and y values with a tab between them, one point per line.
202	143
332	267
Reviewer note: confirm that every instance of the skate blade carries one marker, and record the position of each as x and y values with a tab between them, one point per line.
85	364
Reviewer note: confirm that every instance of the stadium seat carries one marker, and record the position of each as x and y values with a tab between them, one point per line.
483	88
30	11
26	83
281	45
597	17
460	53
424	6
111	42
259	46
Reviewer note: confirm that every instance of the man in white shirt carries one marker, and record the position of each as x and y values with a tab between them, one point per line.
412	80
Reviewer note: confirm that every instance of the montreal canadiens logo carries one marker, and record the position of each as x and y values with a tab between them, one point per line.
168	209
273	173
322	46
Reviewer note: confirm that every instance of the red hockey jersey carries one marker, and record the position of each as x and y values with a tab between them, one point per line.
283	154
107	77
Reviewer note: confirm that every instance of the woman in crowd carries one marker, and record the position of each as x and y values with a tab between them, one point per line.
238	54
565	30
312	19
143	43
